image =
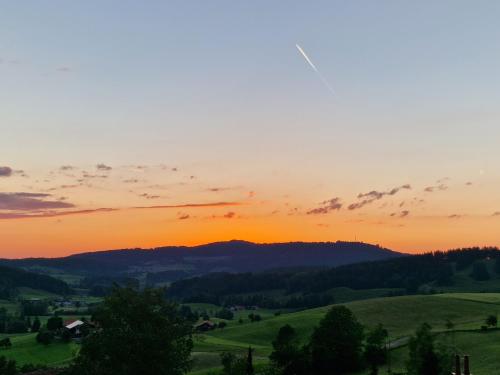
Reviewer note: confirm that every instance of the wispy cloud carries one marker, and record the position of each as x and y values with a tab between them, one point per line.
49	214
218	189
34	205
326	206
149	196
30	201
401	214
5	171
103	167
374	195
440	187
64	69
191	205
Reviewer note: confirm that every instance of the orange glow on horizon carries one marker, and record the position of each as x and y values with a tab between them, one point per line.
146	229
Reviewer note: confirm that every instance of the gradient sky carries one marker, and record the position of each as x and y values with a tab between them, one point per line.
140	124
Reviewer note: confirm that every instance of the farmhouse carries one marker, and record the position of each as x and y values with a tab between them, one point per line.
75	327
206	325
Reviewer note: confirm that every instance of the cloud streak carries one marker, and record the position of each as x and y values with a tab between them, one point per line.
32	205
5	171
326	206
432	189
311	64
49	214
30	201
191	205
374	195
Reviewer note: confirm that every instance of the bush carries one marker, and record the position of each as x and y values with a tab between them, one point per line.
35	327
5	343
491	321
225	314
8	366
54	323
45	337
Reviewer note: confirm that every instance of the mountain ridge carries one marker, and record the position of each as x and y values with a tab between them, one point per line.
227	256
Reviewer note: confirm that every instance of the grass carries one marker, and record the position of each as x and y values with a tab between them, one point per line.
29	293
400	315
482	347
25	350
11	307
344	294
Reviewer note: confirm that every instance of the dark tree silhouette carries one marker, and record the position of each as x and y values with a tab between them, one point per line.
375	348
492	320
35	327
7	366
249	366
425	358
138	333
287	356
337	344
480	272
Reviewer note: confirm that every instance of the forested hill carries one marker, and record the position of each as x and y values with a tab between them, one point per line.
12	278
176	262
467	269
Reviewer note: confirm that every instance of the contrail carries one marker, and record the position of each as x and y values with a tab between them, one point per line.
307	58
325	82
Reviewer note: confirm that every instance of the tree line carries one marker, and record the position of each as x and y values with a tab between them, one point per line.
306	288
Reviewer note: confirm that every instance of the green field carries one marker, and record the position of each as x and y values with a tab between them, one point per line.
25	350
29	293
400	315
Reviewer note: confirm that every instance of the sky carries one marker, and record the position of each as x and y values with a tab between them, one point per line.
140	124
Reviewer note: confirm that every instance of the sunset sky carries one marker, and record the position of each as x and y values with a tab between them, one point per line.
142	124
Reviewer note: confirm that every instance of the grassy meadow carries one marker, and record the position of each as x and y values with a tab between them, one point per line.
400	315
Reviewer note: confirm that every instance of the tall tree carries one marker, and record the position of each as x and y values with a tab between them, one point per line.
232	364
337	344
287	355
35	327
425	358
375	348
249	368
138	333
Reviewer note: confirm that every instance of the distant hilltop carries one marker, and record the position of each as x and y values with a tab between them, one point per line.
231	256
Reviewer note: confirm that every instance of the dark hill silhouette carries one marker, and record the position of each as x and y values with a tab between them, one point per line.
12	278
231	256
423	273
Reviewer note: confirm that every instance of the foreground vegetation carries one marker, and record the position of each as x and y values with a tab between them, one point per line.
401	316
457	308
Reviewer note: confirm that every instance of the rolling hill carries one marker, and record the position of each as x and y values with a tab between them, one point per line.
462	270
177	262
400	315
11	279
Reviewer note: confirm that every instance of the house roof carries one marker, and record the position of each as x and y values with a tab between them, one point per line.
205	322
76	323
